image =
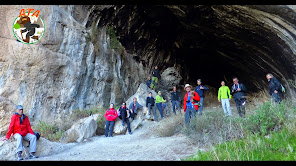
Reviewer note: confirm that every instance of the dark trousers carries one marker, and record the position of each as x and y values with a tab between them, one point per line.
153	110
240	107
124	119
276	97
109	128
190	112
133	115
159	106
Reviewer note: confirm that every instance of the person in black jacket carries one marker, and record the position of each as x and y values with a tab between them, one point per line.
150	104
238	91
155	77
124	113
176	98
274	87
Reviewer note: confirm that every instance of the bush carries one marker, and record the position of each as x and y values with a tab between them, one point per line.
213	127
170	126
267	118
50	132
114	43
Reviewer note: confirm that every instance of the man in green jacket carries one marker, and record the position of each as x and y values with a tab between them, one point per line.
225	96
159	100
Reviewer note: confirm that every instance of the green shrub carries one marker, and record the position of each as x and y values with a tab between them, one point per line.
50	132
267	118
213	127
114	43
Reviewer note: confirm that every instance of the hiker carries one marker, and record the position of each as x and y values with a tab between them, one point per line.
200	91
190	103
124	116
150	104
133	107
148	82
224	97
110	115
159	100
21	129
155	76
176	98
274	87
238	91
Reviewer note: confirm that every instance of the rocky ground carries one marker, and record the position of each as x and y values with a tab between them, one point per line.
141	145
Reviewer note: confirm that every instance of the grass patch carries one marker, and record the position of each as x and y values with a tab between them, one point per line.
50	132
170	126
267	134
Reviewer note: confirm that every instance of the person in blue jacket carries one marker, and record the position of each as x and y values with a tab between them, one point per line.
133	107
200	91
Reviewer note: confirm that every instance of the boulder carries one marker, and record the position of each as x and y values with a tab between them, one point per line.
84	128
7	109
170	77
44	148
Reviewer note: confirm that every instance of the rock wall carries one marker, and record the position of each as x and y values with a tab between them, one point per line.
63	71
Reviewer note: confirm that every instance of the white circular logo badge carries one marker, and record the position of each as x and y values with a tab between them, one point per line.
28	29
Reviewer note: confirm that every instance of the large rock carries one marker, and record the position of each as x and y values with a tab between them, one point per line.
84	128
7	109
44	148
64	70
170	77
141	95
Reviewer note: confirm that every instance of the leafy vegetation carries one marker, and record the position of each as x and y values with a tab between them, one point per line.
114	43
269	133
50	132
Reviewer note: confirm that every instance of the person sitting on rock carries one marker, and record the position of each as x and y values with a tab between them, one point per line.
124	113
110	115
21	129
148	82
159	101
150	104
133	107
155	76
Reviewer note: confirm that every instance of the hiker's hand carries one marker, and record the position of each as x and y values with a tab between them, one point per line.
201	87
219	101
275	91
229	99
238	89
4	139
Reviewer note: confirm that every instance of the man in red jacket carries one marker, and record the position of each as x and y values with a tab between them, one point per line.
190	106
110	115
21	129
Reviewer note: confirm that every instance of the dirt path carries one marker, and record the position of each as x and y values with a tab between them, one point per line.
141	145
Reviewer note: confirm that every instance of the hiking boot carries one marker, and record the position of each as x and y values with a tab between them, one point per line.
19	156
32	156
130	133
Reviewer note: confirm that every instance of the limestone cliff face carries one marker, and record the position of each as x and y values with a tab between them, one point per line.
73	66
63	71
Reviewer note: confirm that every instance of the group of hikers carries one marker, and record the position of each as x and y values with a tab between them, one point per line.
193	102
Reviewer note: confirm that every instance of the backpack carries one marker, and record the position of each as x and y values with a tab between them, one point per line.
283	89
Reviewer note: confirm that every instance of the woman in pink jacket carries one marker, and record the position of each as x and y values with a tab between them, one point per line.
110	115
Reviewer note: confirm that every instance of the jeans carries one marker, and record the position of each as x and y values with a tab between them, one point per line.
153	110
240	105
159	106
29	137
226	106
201	106
109	128
177	104
125	119
189	113
154	82
276	97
